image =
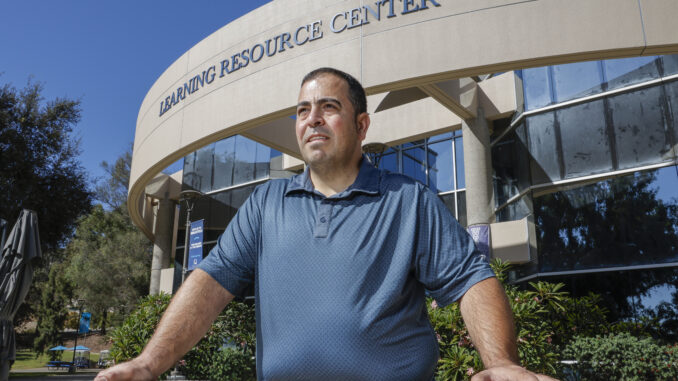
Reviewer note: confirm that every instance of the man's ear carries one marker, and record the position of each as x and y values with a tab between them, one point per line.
363	124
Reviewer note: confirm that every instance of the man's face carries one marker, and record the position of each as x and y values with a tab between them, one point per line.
328	133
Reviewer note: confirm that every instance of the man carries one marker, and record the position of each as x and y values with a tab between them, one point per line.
340	257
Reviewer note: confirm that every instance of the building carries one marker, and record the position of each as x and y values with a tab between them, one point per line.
549	128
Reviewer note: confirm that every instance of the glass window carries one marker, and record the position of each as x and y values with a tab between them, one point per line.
436	138
586	147
545	167
262	161
627	71
189	172
224	162
441	173
672	99
245	157
617	222
461	208
459	162
639	127
514	211
576	80
413	164
537	87
670	64
448	200
203	168
510	165
389	161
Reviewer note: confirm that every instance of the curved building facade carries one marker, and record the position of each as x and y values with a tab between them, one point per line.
549	128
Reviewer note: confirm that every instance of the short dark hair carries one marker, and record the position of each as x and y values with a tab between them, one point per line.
356	92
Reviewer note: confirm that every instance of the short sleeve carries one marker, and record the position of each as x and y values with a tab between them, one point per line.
232	261
447	261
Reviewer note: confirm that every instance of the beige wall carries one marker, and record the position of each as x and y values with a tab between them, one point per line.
460	38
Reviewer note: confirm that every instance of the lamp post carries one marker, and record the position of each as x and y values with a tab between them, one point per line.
189	196
72	368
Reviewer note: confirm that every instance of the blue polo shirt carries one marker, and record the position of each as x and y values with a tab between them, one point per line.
340	281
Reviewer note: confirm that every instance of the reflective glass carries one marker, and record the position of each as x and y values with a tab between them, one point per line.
442	136
413	164
262	161
389	161
671	89
189	172
441	173
459	162
203	168
639	127
224	162
514	211
628	71
545	167
576	80
670	64
448	200
510	163
536	87
461	208
625	221
245	157
586	147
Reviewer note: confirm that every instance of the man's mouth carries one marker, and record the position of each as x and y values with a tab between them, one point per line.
314	138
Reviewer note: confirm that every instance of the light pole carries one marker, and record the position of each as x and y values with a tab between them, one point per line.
190	196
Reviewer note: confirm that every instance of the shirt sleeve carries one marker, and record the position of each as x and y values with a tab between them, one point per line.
447	261
232	261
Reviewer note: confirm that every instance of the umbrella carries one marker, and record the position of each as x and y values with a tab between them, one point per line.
59	348
78	348
16	274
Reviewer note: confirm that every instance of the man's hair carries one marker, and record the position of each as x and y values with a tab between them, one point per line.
356	92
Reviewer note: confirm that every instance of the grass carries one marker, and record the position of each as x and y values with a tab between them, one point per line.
25	359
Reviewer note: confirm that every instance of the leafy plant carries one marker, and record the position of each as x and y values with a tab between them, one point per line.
622	357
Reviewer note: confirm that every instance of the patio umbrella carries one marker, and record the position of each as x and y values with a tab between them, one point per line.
78	348
58	348
16	274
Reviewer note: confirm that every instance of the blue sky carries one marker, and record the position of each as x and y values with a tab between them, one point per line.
105	53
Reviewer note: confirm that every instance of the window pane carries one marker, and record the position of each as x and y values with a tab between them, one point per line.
459	162
545	167
224	162
262	161
461	206
441	174
640	131
510	164
389	161
442	136
670	64
672	100
189	172
576	80
245	156
627	71
537	88
514	211
413	164
448	200
203	168
586	148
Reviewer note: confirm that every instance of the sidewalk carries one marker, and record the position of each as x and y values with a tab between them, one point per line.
52	374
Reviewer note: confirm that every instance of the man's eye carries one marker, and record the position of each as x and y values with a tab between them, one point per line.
302	111
329	106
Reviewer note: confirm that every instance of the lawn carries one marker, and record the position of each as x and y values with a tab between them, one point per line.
25	359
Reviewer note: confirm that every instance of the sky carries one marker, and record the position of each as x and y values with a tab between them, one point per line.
105	53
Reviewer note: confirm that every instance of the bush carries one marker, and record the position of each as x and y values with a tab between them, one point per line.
622	357
546	318
226	352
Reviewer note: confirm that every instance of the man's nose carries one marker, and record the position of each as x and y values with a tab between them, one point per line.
315	118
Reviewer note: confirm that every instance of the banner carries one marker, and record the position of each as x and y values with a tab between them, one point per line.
481	236
195	248
85	318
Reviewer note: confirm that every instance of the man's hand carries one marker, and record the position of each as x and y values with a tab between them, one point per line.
128	371
510	373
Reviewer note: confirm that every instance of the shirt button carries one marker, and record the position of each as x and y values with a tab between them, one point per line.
323	219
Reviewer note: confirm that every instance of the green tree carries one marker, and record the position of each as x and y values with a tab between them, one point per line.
52	312
109	259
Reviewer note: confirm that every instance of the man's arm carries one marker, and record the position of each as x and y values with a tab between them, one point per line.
487	314
190	314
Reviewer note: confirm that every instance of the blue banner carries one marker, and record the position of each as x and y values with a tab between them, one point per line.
85	318
195	248
481	236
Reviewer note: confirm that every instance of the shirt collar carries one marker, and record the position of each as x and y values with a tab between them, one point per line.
367	182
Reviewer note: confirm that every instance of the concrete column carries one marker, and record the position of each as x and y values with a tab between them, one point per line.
478	170
163	242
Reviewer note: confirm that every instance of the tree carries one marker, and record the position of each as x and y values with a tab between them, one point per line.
109	259
52	311
41	172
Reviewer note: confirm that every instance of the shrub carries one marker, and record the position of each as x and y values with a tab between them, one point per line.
226	352
622	357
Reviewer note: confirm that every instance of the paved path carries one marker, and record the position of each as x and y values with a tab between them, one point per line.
53	375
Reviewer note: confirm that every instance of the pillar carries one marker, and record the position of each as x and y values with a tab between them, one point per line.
478	170
162	246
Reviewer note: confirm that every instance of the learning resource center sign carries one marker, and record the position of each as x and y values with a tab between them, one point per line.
288	40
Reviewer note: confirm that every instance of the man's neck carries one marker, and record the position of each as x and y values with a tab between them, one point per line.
330	181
